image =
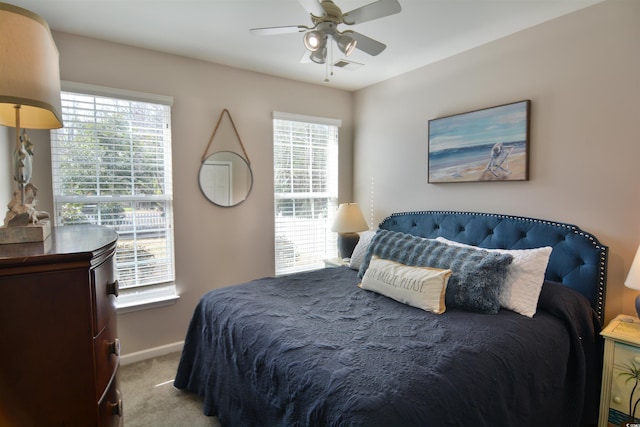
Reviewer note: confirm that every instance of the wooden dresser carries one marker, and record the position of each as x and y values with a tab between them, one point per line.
59	351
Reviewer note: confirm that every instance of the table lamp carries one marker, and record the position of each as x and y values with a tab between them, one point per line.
633	279
349	220
29	98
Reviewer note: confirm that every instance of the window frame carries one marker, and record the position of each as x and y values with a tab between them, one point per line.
330	193
143	296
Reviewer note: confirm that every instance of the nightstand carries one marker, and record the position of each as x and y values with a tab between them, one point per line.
621	350
335	262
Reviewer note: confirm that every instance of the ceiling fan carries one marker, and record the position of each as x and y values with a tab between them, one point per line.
326	16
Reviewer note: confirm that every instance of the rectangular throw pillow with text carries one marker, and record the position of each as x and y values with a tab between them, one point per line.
420	287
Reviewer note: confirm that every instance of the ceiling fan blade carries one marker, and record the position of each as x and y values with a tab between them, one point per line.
268	31
313	7
366	44
371	11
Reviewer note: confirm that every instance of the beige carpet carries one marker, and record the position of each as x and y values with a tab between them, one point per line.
151	400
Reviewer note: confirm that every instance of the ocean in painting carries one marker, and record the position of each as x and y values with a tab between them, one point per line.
470	163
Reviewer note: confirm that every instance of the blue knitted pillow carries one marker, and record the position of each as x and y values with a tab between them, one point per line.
478	275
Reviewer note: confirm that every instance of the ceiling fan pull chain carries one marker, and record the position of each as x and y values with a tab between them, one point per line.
326	67
331	53
328	63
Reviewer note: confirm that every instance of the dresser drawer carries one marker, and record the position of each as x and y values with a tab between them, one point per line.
107	354
104	294
624	356
110	407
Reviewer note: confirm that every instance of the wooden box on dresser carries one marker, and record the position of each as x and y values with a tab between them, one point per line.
58	330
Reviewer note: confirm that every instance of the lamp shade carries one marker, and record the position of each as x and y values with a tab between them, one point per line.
349	219
29	70
633	278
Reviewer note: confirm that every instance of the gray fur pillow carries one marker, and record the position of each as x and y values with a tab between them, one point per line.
478	275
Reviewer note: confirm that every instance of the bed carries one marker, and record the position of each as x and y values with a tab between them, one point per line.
317	349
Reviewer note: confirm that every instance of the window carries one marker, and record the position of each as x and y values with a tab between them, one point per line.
305	158
111	165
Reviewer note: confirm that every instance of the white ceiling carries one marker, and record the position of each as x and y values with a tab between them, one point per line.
424	31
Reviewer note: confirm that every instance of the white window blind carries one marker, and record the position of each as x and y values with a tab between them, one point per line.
305	152
111	165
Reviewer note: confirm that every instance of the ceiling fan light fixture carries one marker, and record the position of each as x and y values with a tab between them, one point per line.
313	40
319	56
323	34
346	44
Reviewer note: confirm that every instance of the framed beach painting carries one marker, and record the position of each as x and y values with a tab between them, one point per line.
491	144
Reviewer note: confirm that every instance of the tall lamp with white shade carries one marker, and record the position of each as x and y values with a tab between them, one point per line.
349	220
633	279
29	98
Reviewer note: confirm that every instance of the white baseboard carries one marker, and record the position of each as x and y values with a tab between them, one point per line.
150	353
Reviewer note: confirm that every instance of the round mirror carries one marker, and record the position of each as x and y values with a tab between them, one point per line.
225	178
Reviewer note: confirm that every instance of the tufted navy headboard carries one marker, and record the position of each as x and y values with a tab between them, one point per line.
578	259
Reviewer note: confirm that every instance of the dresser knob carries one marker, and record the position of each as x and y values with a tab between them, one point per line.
114	347
617	399
113	288
116	408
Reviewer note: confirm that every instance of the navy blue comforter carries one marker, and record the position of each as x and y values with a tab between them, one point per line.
313	349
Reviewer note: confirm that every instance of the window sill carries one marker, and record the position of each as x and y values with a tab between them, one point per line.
138	300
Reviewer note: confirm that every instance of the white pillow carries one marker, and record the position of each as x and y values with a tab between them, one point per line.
361	249
421	287
525	276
